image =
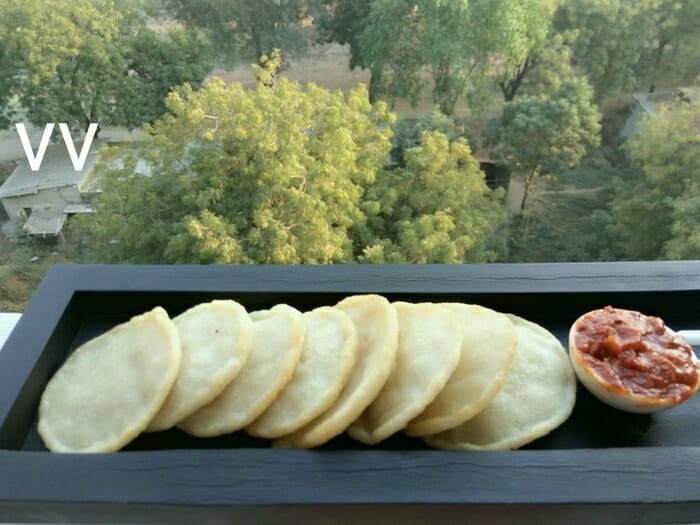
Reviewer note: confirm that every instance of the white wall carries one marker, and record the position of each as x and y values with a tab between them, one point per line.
7	323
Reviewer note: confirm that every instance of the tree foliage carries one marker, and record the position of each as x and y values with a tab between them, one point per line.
541	71
437	208
609	36
574	234
94	62
621	45
270	175
627	45
457	41
251	28
157	63
289	174
535	48
655	212
285	174
545	135
408	133
342	21
10	53
675	56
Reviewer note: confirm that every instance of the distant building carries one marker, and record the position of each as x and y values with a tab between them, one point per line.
647	103
40	201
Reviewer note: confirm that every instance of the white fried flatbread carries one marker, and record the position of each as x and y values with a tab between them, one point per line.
327	358
278	336
488	348
429	349
110	388
216	339
377	330
538	396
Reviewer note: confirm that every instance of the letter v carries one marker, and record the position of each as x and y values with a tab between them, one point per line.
34	161
78	162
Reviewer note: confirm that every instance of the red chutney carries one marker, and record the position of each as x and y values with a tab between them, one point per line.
636	353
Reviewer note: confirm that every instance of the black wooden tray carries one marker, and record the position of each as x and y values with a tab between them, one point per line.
601	465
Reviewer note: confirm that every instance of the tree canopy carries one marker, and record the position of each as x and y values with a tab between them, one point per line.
546	134
291	173
250	28
458	41
342	21
655	210
94	62
288	174
628	45
540	71
534	48
437	208
675	57
269	175
620	45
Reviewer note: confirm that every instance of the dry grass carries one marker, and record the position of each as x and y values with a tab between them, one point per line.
22	267
327	66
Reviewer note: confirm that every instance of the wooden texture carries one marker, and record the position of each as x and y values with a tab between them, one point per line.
601	466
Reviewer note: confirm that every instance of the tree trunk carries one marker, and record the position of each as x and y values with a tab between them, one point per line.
91	118
97	131
657	61
375	82
510	87
528	182
442	94
448	101
508	93
257	41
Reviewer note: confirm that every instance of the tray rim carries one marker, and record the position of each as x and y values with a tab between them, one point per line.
609	476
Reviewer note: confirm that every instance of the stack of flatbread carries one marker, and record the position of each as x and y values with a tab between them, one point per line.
459	376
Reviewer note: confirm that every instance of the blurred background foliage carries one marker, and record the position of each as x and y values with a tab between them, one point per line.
417	131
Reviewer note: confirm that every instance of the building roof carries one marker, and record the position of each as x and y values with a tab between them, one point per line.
649	101
45	221
82	207
56	171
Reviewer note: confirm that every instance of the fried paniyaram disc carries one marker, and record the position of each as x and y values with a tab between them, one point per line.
429	348
488	348
327	358
278	336
377	332
216	340
109	389
538	395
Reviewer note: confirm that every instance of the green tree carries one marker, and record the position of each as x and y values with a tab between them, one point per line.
9	63
274	174
156	64
533	49
626	45
94	62
675	55
408	134
251	28
540	72
655	212
456	40
342	21
610	36
394	60
545	135
435	209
